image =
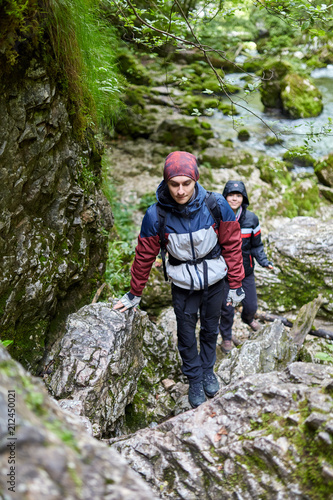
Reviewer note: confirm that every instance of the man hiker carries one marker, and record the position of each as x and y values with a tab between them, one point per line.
252	247
202	248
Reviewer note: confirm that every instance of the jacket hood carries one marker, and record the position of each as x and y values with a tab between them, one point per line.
236	187
165	199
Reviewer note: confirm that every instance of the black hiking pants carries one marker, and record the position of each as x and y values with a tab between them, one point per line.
187	305
250	306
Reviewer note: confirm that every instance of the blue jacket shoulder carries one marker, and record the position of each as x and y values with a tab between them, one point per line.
150	225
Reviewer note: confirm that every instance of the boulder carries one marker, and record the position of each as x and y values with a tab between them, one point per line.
47	453
294	94
300	97
182	133
324	170
302	253
270	349
54	223
105	358
272	74
266	435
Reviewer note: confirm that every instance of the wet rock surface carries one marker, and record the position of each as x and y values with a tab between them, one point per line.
52	247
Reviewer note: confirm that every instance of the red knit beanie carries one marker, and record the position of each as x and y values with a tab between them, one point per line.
181	163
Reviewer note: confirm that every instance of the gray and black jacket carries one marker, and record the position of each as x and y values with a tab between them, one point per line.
252	245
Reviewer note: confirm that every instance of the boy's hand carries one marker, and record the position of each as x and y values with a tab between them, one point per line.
270	265
126	302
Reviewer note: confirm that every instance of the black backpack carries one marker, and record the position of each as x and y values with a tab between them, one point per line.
212	206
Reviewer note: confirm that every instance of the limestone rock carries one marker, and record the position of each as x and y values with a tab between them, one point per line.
103	356
270	349
302	253
52	247
55	457
257	438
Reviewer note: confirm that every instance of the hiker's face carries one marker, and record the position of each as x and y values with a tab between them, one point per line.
235	200
181	188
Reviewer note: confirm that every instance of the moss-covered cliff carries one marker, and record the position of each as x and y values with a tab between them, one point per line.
54	223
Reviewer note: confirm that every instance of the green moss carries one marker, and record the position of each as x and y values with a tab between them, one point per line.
324	170
298	156
243	135
300	97
131	67
272	140
273	172
270	90
312	451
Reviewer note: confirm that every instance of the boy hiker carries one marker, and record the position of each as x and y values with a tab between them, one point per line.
200	253
235	194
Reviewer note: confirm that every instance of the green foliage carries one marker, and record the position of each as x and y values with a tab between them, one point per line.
147	200
18	22
299	156
84	49
6	343
121	242
324	356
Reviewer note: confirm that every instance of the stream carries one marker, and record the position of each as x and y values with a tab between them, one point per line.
293	131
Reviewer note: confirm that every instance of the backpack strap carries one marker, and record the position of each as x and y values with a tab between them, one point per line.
214	208
161	214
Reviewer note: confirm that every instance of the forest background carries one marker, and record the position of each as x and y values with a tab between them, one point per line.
96	53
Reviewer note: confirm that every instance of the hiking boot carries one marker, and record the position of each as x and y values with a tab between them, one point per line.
210	384
196	395
254	325
226	346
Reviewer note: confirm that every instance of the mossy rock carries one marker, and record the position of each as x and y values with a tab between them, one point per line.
217	158
301	199
297	156
134	96
243	135
137	123
273	72
324	170
327	192
252	65
210	82
228	109
132	68
300	97
314	62
326	55
273	172
201	103
182	133
272	140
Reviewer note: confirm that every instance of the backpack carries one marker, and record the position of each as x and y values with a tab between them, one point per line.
212	206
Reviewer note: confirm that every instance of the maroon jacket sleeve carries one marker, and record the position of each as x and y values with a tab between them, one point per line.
146	252
230	239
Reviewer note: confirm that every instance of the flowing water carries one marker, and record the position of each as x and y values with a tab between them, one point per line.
293	131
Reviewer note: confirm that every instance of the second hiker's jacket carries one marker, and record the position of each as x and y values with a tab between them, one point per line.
252	245
190	235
